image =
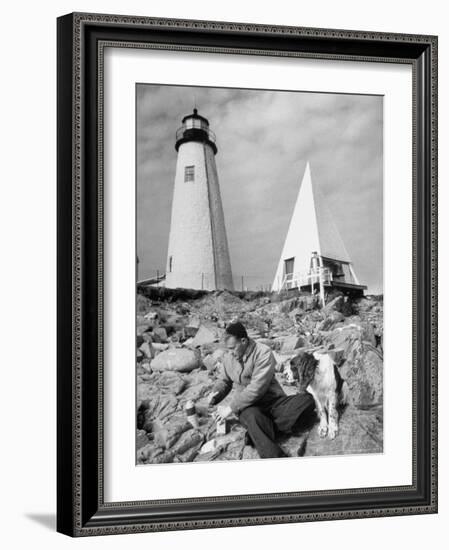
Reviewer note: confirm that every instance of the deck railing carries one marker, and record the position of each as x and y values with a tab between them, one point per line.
321	275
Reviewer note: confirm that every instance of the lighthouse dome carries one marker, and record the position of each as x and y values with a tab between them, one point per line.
195	128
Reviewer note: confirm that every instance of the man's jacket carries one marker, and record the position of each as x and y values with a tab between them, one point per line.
253	378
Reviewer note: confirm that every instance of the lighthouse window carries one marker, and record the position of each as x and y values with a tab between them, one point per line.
189	173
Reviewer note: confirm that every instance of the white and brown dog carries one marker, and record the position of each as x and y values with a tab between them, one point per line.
317	373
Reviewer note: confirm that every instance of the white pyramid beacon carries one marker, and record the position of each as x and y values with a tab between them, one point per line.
198	254
314	256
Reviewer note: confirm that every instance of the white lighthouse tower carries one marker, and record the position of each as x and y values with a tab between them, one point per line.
198	255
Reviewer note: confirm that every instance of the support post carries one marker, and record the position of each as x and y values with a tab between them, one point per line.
321	287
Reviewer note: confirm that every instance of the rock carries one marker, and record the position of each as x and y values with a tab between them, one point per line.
159	347
199	384
147	349
234	451
249	453
160	407
308	302
189	439
347	308
142	328
141	439
177	359
368	333
209	446
330	320
144	376
161	333
152	316
292	343
291	321
190	454
151	454
171	382
166	435
347	338
359	432
142	304
288	305
192	326
364	377
335	304
213	359
206	335
145	391
363	365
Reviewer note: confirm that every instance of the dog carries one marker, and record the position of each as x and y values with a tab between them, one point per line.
317	373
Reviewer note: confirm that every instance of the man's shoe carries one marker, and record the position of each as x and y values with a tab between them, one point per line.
302	448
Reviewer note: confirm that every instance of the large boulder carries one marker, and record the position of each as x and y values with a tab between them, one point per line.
360	432
176	359
205	335
364	377
291	343
362	367
147	349
161	334
348	338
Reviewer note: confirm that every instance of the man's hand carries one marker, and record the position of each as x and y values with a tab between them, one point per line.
211	397
223	412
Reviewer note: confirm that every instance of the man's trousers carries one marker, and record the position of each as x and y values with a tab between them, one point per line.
264	420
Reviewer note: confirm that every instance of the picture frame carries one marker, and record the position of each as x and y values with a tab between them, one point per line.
81	508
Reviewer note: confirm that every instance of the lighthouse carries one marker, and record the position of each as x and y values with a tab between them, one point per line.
314	256
198	253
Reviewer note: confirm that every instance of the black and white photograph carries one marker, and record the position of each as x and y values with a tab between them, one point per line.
259	270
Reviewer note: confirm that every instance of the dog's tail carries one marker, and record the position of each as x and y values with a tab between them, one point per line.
344	393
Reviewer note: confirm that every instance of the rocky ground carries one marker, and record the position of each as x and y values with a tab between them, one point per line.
179	350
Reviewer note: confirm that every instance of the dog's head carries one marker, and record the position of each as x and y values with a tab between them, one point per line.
301	369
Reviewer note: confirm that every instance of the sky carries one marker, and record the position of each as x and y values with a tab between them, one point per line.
264	139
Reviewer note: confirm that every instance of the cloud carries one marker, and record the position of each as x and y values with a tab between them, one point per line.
264	140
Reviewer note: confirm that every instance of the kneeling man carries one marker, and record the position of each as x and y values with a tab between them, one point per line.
260	403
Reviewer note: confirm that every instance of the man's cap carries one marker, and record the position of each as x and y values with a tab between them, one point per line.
237	330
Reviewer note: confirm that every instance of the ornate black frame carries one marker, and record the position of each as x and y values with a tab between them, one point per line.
81	510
